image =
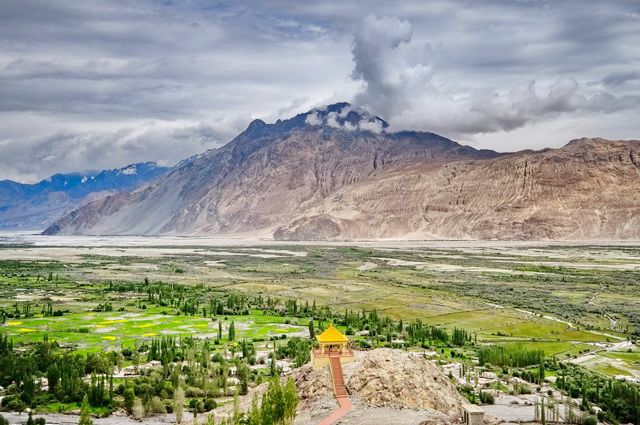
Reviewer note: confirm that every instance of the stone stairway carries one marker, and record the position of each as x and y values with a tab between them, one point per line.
338	377
341	393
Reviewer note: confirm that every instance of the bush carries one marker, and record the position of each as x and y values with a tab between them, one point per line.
487	397
5	401
138	411
210	404
15	405
157	406
590	420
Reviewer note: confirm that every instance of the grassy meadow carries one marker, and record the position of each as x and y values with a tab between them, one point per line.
565	300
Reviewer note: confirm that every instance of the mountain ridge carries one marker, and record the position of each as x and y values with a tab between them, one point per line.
337	173
37	205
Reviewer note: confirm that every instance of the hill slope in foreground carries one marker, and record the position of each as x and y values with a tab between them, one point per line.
335	173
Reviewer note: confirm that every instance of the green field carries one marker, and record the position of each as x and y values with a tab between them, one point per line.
565	299
110	330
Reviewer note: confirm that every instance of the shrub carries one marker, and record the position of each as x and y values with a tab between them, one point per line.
486	397
210	404
138	410
157	406
15	405
590	420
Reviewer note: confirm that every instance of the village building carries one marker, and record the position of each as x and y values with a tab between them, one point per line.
472	414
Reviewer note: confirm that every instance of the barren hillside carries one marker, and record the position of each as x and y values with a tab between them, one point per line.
335	173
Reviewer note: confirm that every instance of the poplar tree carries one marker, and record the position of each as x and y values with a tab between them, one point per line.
312	331
85	417
232	331
178	404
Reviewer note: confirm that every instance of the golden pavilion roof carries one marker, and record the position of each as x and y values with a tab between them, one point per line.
330	335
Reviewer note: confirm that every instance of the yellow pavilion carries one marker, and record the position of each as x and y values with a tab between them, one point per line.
331	343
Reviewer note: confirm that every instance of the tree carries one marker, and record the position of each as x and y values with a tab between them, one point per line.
138	409
211	419
219	329
290	400
279	402
85	415
129	398
243	376
178	404
255	417
273	363
312	331
232	331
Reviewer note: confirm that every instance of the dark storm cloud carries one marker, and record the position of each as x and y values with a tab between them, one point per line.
81	81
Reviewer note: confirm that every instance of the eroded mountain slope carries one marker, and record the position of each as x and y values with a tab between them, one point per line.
335	173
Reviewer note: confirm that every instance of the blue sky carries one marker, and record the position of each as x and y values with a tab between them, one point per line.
88	84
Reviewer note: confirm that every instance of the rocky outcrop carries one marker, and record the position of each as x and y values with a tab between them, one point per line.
314	385
384	378
398	379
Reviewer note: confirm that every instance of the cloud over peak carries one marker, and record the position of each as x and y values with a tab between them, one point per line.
78	77
347	117
400	81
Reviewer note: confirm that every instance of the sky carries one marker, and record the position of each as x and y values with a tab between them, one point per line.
100	84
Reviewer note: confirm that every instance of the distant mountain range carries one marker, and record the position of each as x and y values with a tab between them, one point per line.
338	173
36	206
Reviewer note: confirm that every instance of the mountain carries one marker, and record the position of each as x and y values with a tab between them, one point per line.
36	206
338	173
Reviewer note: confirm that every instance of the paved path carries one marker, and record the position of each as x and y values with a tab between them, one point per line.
345	407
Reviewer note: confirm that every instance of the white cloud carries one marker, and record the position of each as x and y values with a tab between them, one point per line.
493	72
313	119
67	151
400	84
368	125
332	120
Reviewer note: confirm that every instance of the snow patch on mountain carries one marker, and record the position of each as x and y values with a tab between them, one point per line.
130	170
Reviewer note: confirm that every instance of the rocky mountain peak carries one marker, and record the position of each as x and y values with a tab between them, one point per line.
256	125
337	116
